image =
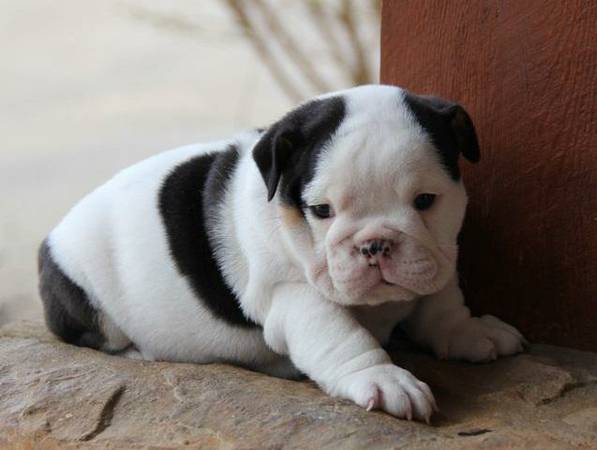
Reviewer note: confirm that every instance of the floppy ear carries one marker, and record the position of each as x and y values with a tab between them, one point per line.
292	142
272	154
464	132
449	125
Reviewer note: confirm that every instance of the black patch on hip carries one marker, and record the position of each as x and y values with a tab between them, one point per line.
67	310
189	197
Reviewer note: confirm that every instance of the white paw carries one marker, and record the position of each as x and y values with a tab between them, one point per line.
132	353
481	339
389	388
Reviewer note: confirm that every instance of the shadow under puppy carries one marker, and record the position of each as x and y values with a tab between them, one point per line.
296	248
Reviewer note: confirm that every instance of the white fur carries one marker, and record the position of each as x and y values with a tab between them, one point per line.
390	160
288	275
114	246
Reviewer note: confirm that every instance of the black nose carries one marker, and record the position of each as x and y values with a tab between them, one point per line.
375	246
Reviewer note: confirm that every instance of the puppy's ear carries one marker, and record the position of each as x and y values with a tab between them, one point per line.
291	144
273	152
464	131
449	126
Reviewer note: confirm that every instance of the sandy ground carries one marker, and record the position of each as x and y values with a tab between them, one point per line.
88	88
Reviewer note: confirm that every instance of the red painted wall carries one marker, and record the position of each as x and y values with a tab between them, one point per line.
527	73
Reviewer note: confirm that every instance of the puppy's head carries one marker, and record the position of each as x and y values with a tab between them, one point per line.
368	190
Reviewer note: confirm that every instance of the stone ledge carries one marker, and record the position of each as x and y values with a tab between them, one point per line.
54	395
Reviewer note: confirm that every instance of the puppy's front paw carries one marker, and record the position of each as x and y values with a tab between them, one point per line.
481	339
390	388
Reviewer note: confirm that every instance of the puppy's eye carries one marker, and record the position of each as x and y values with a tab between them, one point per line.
323	211
424	201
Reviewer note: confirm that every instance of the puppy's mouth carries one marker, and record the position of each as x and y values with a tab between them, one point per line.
382	281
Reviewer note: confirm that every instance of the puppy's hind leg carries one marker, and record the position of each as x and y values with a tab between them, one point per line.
68	312
115	341
131	353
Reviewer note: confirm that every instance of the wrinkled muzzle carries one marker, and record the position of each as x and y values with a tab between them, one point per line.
391	264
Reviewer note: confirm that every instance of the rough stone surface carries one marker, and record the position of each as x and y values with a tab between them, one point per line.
54	395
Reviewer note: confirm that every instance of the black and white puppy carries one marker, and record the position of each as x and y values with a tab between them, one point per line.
297	248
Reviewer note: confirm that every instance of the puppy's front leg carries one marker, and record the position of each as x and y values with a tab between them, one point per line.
443	323
324	341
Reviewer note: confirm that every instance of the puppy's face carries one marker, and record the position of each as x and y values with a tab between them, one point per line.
369	192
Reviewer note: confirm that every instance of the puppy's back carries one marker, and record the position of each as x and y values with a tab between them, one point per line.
109	258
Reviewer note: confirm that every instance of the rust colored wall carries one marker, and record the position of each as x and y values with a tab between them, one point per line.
527	73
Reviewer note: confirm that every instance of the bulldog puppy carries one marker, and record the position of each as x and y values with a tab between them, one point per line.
293	249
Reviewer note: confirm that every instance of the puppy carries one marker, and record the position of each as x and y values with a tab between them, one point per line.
295	249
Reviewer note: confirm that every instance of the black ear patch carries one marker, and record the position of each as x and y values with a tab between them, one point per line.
450	127
286	153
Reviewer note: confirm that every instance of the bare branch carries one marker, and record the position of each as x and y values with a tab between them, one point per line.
361	69
290	46
321	20
263	51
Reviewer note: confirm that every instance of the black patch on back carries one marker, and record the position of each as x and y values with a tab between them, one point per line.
68	312
188	199
450	128
287	153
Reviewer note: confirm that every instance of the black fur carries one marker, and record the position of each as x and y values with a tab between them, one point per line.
187	200
287	153
67	310
450	127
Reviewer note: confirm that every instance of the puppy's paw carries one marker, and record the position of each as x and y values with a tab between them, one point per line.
481	339
391	389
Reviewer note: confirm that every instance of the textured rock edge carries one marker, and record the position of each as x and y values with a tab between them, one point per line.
57	395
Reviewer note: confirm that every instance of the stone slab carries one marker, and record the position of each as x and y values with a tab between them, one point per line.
53	395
